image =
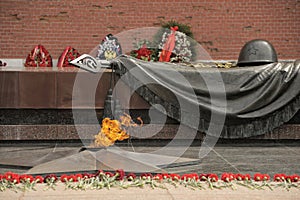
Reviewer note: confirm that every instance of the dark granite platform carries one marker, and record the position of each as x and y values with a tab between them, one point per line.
233	156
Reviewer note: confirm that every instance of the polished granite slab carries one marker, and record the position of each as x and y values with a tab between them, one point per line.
52	88
47	159
109	160
234	156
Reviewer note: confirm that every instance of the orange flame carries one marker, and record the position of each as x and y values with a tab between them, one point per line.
113	130
127	121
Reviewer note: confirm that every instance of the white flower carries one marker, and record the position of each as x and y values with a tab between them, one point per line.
182	45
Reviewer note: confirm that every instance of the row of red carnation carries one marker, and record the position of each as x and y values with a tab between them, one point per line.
121	175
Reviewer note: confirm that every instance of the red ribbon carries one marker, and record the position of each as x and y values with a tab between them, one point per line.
168	46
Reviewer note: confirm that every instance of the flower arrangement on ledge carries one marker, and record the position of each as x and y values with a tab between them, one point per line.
3	64
172	43
38	57
120	179
144	51
67	56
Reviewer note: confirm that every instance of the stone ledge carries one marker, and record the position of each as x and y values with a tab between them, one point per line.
66	132
152	131
286	131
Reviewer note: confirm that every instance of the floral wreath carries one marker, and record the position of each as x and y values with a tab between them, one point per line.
177	43
2	64
171	44
38	57
67	56
109	48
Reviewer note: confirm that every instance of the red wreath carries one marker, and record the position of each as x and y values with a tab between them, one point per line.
39	57
67	56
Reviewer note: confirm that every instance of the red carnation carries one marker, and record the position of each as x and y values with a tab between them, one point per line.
72	178
203	177
261	177
109	174
240	177
130	176
247	177
120	174
190	176
50	177
175	177
213	177
227	177
8	175
293	178
39	179
166	176
258	177
12	177
266	177
146	175
64	178
185	177
78	177
158	177
15	178
25	177
87	175
280	177
194	176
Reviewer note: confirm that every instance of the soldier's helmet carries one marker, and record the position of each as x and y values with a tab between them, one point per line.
257	52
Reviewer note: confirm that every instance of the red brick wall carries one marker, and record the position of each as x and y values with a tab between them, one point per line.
221	26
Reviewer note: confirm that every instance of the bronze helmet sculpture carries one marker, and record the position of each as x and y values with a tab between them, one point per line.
257	52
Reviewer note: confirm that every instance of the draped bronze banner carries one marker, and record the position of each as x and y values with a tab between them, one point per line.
257	99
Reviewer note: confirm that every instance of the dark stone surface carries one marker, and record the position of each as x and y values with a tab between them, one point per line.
65	116
295	119
58	124
241	157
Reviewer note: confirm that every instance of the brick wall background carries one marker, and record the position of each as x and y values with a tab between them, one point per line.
221	26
